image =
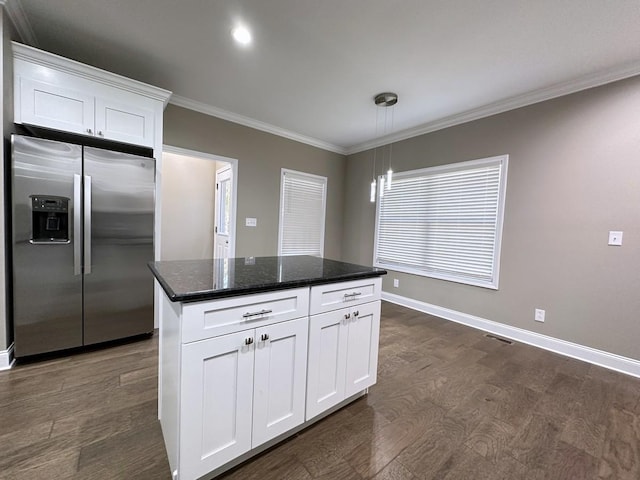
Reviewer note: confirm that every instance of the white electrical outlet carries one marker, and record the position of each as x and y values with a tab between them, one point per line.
539	315
251	222
396	282
615	238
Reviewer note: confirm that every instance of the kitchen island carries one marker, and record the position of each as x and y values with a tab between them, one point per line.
254	349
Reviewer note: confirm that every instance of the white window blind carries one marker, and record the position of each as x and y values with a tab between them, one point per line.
444	222
302	213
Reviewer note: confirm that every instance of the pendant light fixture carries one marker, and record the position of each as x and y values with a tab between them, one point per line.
385	99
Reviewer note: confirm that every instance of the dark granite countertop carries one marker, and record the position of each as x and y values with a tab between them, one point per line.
191	280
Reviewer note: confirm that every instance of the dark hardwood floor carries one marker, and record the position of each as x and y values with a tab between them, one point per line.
450	403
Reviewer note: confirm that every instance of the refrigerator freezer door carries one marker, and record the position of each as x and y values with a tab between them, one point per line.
47	285
118	286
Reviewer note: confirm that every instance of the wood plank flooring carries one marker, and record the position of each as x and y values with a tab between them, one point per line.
449	404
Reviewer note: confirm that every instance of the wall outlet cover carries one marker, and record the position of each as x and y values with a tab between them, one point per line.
396	283
539	315
615	238
251	222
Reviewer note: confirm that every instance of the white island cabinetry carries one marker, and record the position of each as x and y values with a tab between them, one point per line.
240	374
239	391
343	342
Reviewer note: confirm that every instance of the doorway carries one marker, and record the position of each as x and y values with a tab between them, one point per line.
224	189
191	202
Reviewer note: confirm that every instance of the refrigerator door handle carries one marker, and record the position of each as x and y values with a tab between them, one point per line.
87	224
77	244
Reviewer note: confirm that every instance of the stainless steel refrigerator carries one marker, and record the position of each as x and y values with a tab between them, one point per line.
82	227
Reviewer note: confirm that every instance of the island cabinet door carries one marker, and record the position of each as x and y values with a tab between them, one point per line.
362	347
280	379
216	402
327	360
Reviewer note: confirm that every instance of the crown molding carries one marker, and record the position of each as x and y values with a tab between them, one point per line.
256	124
18	17
62	64
558	90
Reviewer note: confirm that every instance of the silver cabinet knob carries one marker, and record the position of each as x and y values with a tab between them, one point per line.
100	133
89	131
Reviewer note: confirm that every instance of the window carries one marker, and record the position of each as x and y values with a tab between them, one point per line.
302	212
444	222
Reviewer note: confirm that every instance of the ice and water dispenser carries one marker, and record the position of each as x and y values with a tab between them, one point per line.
50	219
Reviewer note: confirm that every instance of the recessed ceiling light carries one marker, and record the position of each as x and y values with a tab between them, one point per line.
241	35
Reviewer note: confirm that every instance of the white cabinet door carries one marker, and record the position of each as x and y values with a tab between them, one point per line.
54	107
124	123
343	355
216	402
279	379
327	360
362	347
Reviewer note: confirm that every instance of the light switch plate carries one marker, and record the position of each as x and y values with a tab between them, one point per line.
396	282
251	222
539	315
615	238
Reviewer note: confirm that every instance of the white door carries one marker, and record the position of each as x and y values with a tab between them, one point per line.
279	379
222	231
327	360
362	347
216	402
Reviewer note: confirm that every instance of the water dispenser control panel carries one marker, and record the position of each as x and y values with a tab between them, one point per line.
50	219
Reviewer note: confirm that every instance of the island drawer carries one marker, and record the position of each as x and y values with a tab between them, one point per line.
334	296
211	318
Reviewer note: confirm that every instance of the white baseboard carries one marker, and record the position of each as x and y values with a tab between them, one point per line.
6	358
573	350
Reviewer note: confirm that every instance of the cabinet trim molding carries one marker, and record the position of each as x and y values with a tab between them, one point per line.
34	55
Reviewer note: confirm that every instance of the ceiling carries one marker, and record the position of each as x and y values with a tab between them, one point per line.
315	65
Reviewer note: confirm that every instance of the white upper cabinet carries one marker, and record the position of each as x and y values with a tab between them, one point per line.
54	92
54	107
124	123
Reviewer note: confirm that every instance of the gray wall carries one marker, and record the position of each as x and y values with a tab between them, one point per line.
574	174
192	182
260	157
6	34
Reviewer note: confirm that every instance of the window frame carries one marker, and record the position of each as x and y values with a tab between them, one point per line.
503	161
281	213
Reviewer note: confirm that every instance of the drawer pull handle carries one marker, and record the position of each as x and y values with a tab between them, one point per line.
248	341
350	295
254	314
356	313
264	337
347	316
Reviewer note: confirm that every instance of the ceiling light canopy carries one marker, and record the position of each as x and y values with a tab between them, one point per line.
242	35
